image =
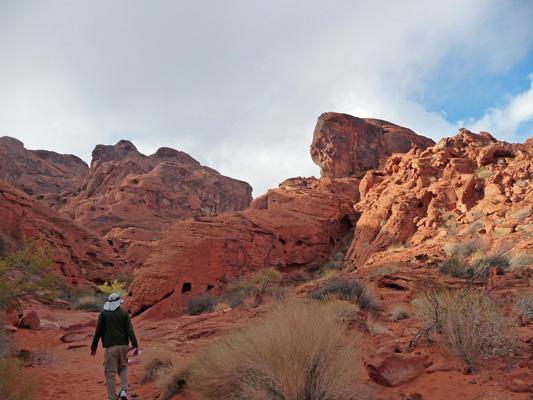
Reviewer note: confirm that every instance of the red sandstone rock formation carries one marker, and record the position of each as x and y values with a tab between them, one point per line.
39	172
78	253
347	146
134	197
460	180
299	226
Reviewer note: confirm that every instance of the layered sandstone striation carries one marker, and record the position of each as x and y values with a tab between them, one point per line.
39	172
79	254
345	146
297	227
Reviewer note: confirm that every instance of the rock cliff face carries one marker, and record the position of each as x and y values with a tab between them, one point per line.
78	253
39	172
348	146
130	196
297	227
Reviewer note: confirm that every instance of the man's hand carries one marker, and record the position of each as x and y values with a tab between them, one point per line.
93	353
135	352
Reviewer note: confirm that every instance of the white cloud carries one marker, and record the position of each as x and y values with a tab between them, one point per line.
239	85
505	121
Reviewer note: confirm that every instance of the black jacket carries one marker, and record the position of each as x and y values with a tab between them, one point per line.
115	328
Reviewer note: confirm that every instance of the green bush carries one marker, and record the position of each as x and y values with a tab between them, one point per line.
297	351
256	285
202	303
114	287
27	271
348	289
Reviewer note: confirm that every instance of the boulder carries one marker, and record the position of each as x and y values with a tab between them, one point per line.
394	369
345	146
30	320
520	381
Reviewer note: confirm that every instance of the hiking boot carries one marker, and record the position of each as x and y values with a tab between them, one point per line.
123	395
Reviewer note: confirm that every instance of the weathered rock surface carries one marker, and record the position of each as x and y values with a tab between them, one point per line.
346	146
133	197
471	183
78	253
39	172
30	320
394	369
299	226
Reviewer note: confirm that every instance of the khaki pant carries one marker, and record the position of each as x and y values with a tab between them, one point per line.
116	362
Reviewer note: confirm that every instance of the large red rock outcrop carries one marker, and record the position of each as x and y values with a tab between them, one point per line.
464	179
39	172
78	253
134	197
346	146
299	226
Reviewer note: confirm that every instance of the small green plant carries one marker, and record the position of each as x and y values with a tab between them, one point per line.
27	271
484	173
256	285
202	303
348	289
113	287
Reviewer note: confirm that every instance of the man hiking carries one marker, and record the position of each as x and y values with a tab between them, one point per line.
115	329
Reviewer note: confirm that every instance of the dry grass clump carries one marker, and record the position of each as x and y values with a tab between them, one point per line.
90	303
398	313
520	260
524	306
174	377
347	289
297	351
385	269
221	307
202	303
256	285
15	382
153	361
470	325
343	311
375	328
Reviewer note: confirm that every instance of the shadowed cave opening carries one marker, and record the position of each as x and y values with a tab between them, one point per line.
186	287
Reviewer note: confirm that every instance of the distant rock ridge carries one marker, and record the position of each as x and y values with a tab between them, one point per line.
345	146
39	172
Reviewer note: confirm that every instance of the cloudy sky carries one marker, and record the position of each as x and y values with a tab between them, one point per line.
239	84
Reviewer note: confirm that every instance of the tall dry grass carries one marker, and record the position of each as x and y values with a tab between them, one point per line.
298	351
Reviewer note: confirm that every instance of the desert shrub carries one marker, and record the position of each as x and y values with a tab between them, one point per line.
456	267
348	289
343	311
464	248
27	271
375	328
15	382
475	227
484	173
256	285
470	325
90	303
524	306
398	313
202	303
153	360
520	260
114	287
221	307
298	351
173	378
385	269
522	214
